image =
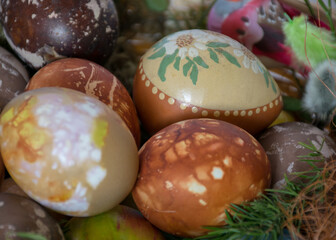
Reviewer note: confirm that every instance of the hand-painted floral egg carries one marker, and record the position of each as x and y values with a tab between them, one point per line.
13	77
43	31
199	73
91	79
283	146
68	151
121	222
22	218
257	24
191	171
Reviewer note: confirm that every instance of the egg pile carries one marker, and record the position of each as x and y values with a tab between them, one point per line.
198	132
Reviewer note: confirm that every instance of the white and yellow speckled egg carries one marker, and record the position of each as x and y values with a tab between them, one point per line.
68	151
198	73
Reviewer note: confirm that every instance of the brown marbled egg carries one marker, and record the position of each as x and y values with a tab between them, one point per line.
13	77
19	215
68	151
191	171
2	172
92	79
44	30
282	145
10	186
198	73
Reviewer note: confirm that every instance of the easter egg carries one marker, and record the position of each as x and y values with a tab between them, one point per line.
43	31
92	79
199	73
10	186
68	151
22	218
283	146
121	222
13	77
192	170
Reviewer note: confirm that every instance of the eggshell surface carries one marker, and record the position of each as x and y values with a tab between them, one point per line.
191	171
92	79
283	147
42	31
68	151
198	73
21	215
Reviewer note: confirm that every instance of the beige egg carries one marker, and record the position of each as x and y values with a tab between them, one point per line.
203	74
68	151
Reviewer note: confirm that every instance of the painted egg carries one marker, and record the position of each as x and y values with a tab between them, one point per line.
121	222
191	171
43	31
68	151
92	79
20	216
199	73
283	147
13	77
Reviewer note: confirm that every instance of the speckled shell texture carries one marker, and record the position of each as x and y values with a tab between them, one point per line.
22	215
44	30
199	73
93	80
13	77
192	170
68	151
282	145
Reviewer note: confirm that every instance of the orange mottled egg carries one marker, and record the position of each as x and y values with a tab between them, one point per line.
192	170
68	151
203	74
93	80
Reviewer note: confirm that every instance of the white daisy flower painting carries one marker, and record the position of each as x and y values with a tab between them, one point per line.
186	45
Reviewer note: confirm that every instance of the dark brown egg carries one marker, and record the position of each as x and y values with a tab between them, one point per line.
42	31
10	186
282	145
20	215
92	79
2	172
191	171
13	77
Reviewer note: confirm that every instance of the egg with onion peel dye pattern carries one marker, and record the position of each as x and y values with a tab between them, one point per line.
204	74
68	151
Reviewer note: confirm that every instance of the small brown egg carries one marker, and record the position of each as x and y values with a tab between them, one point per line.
42	31
20	216
2	172
10	186
13	77
203	74
291	83
92	79
282	145
68	151
191	171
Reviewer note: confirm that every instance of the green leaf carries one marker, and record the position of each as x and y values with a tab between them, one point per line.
158	54
166	61
186	67
32	236
213	55
157	5
228	56
266	78
194	74
177	63
200	62
217	45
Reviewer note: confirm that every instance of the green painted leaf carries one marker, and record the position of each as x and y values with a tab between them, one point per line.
200	62
158	54
177	63
228	56
166	61
186	67
266	78
213	55
157	5
194	74
273	86
217	45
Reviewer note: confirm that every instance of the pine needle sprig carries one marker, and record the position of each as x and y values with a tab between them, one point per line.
276	214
